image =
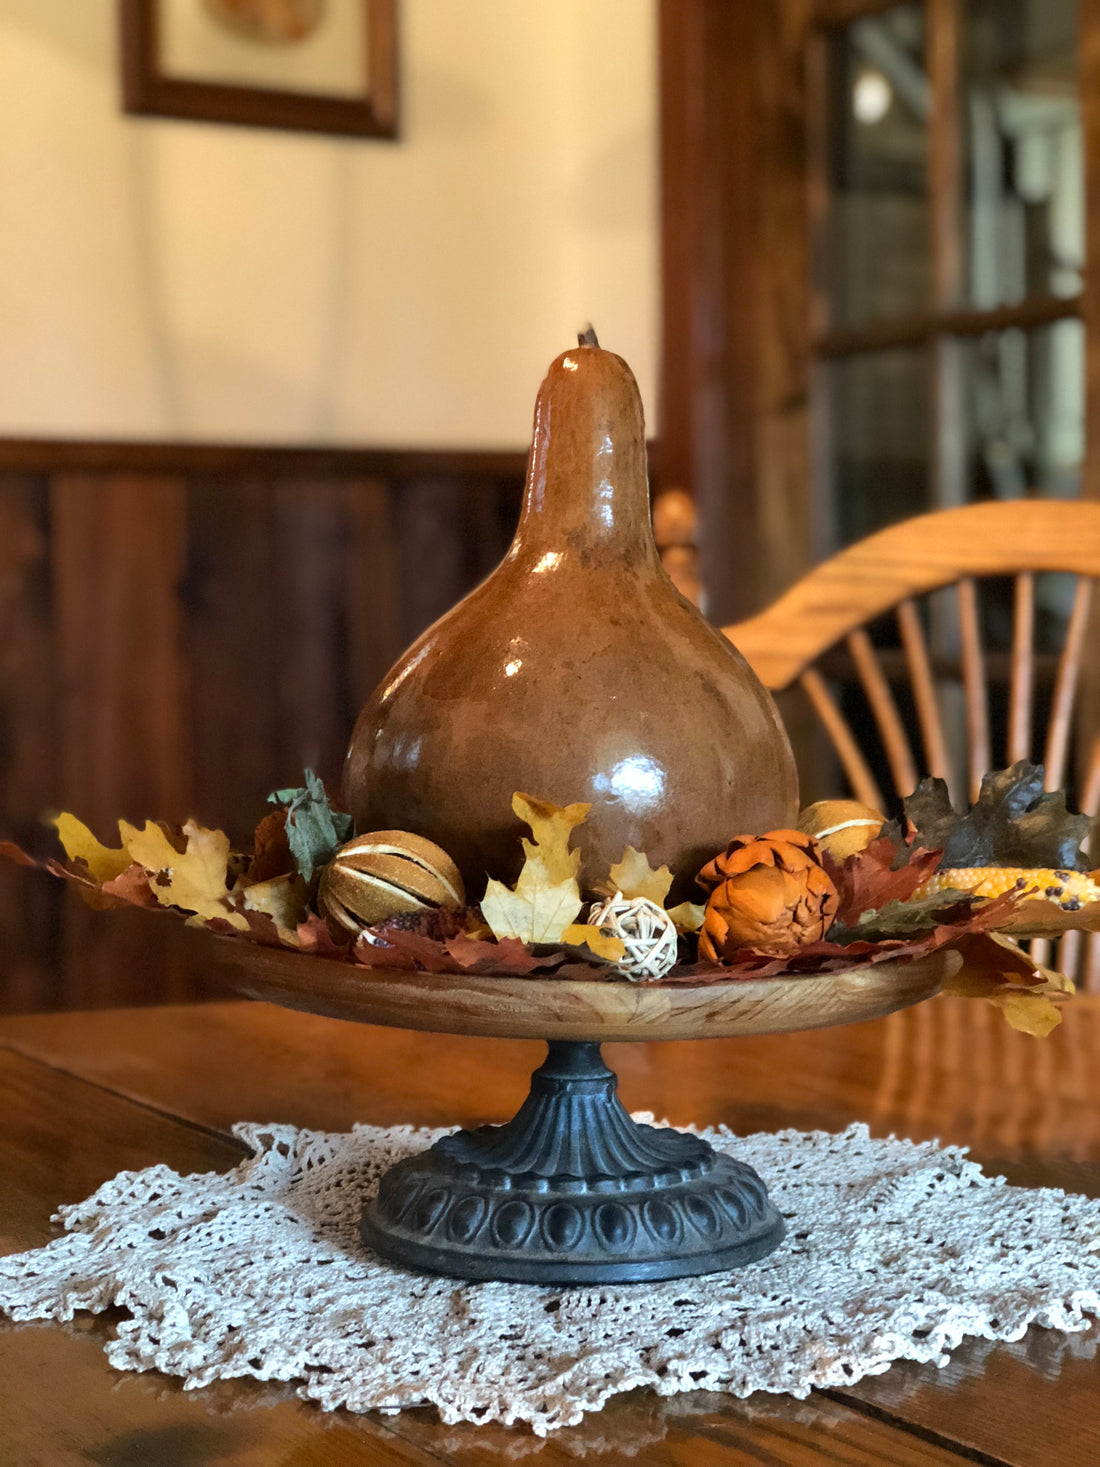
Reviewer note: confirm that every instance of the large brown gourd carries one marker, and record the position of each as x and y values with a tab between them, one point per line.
575	672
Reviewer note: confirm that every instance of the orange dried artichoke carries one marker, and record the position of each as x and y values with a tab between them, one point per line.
768	892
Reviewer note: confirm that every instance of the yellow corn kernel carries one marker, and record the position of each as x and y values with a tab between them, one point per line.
1070	890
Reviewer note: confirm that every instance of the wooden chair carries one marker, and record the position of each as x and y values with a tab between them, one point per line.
830	611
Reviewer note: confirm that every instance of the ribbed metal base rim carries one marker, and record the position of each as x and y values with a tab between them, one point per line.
572	1191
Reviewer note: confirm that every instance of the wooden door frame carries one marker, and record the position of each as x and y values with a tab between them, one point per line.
735	283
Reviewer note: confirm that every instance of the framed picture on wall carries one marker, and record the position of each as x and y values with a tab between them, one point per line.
315	65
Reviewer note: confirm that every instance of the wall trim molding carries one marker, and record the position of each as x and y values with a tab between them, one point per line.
94	455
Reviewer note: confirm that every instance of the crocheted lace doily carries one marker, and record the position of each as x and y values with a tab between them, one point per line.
895	1251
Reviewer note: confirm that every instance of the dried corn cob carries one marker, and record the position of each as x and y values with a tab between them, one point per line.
1070	890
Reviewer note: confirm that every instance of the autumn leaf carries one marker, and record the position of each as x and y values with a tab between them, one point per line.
283	898
315	936
603	944
1037	917
996	969
551	825
131	888
1013	822
81	845
1030	1013
992	960
633	876
908	918
475	955
271	854
870	879
546	899
537	910
192	879
688	916
314	829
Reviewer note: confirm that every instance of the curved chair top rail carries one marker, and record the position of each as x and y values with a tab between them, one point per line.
858	584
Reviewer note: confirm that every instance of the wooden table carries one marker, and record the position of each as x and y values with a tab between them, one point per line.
84	1095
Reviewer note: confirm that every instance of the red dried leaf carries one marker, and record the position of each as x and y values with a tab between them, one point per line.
508	958
475	955
261	929
11	852
376	955
131	888
868	880
316	938
271	855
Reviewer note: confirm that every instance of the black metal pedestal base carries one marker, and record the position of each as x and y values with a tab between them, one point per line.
572	1191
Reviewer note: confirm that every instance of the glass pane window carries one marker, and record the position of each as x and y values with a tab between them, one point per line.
1024	411
881	439
1020	120
876	242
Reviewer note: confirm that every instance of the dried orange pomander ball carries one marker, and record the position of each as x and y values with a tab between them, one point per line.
768	892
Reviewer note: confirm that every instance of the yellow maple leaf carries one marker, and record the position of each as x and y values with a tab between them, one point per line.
283	898
633	876
193	879
537	910
546	898
688	916
81	845
583	934
551	825
1031	1013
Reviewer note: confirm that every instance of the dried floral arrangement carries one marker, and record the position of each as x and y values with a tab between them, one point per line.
844	891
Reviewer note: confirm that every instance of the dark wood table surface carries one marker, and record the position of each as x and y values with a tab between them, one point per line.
83	1095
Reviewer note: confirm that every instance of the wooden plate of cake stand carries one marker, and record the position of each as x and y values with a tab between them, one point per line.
571	1190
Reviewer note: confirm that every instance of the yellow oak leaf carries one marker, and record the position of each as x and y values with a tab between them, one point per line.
688	916
546	898
997	969
192	879
582	934
551	825
283	898
633	876
81	845
1030	1013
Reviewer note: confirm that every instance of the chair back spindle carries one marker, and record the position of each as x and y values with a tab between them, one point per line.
832	613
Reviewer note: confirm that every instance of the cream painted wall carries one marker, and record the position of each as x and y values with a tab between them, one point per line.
167	279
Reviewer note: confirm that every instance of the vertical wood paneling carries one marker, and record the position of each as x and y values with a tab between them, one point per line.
372	615
119	555
432	556
313	710
231	606
29	904
28	729
180	643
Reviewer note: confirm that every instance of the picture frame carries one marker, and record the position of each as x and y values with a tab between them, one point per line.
181	58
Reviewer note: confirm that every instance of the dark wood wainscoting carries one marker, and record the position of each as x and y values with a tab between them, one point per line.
184	628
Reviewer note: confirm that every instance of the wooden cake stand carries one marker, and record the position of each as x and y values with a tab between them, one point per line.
571	1190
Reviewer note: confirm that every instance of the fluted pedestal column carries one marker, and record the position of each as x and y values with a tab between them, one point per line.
572	1191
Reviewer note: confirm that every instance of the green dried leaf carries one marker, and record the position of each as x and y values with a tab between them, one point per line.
1012	823
906	918
314	829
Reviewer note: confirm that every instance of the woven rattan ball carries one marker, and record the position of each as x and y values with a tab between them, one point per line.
646	930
